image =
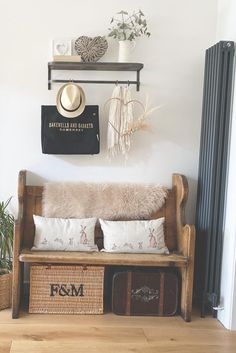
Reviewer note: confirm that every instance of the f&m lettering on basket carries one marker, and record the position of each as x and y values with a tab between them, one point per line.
66	290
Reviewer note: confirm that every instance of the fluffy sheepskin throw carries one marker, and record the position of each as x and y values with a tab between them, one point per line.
107	201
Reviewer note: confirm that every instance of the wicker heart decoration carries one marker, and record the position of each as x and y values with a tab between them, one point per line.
91	49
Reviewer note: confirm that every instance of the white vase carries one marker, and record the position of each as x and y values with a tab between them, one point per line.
126	47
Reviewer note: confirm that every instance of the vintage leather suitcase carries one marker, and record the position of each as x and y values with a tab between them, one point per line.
145	293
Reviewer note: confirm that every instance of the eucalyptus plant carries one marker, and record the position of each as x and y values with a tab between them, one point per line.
6	237
128	27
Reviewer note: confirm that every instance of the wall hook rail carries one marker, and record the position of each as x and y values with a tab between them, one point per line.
101	66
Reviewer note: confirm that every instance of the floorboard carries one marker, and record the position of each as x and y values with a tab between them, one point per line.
34	333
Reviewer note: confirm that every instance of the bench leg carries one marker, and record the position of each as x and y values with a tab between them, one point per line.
16	288
188	244
186	292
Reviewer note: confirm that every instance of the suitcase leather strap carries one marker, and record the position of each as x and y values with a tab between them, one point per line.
129	288
161	293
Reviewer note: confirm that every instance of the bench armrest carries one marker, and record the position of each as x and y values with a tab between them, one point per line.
18	226
188	241
185	232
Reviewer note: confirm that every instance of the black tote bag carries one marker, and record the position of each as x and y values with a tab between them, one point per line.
60	135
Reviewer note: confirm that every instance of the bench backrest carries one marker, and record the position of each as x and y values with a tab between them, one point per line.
30	202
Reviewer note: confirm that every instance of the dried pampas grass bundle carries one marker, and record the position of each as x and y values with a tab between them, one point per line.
141	124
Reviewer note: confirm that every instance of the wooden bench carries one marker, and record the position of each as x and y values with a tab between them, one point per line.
179	237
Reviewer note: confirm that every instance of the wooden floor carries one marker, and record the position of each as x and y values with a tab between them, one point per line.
114	334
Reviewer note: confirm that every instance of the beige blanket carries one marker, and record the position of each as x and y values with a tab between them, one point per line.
107	201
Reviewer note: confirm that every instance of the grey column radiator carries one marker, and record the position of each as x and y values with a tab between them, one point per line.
216	112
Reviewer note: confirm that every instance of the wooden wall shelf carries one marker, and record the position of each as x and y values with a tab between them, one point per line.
100	66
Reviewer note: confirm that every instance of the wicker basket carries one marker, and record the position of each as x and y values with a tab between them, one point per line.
5	291
66	289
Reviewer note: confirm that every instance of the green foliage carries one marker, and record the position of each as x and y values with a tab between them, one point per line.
128	27
6	236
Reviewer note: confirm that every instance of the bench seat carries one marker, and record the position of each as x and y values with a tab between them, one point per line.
103	258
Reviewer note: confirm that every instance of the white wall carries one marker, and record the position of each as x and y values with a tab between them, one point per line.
173	57
226	29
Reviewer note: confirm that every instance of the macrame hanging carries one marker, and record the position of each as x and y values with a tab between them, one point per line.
120	118
121	124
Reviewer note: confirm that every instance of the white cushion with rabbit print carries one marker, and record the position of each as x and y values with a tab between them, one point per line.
134	236
64	234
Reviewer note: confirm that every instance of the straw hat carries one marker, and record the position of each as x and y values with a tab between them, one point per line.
70	100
